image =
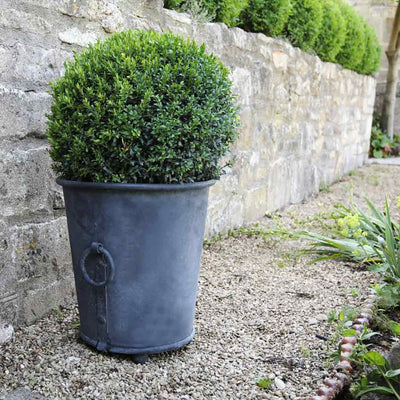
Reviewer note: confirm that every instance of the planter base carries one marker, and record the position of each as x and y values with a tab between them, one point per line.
140	353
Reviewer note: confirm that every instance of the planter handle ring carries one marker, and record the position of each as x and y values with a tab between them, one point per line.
100	249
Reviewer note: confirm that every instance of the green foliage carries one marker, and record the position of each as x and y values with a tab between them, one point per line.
229	11
352	53
304	23
172	4
332	32
381	144
330	28
371	61
265	383
378	376
266	16
142	107
226	11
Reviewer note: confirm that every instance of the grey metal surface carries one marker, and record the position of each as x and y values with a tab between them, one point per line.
153	234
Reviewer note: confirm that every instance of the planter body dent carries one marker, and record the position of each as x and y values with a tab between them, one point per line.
136	251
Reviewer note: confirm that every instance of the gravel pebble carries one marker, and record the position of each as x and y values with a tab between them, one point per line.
253	317
6	333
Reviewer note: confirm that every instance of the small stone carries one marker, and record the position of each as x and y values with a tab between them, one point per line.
73	360
321	317
6	333
279	384
313	321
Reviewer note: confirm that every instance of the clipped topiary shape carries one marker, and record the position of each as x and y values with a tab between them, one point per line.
266	16
352	52
172	4
332	31
304	23
371	61
142	107
229	11
226	11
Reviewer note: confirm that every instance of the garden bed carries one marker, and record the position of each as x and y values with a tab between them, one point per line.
258	313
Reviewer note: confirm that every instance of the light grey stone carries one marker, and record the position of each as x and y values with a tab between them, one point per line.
23	394
75	36
6	333
279	384
313	321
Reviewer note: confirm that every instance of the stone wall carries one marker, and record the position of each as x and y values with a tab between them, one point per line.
304	123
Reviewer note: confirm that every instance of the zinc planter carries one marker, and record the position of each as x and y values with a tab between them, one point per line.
136	251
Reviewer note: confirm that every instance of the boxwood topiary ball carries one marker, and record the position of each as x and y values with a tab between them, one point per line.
142	107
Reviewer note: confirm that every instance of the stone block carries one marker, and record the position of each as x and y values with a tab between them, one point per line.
20	20
40	301
211	35
23	113
178	23
42	263
255	204
28	183
34	66
75	36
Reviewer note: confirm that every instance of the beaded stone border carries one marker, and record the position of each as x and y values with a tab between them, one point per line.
342	377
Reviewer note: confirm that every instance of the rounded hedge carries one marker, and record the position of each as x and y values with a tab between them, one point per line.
172	4
226	11
332	31
142	107
352	52
266	16
330	28
304	23
371	61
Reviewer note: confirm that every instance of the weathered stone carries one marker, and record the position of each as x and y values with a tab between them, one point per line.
17	19
75	36
23	394
28	183
6	333
23	113
38	269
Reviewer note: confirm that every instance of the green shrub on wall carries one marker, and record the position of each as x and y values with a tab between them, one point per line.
226	11
172	4
330	28
371	61
229	11
332	32
304	23
266	16
142	107
352	52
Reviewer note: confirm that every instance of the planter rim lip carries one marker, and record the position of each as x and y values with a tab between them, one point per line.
147	187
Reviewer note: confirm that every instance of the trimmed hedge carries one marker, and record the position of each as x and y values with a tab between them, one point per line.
266	16
332	29
226	11
229	11
332	32
304	23
142	107
352	52
373	51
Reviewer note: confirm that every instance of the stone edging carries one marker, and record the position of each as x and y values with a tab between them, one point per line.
342	377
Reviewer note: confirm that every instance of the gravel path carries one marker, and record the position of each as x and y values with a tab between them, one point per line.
258	312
